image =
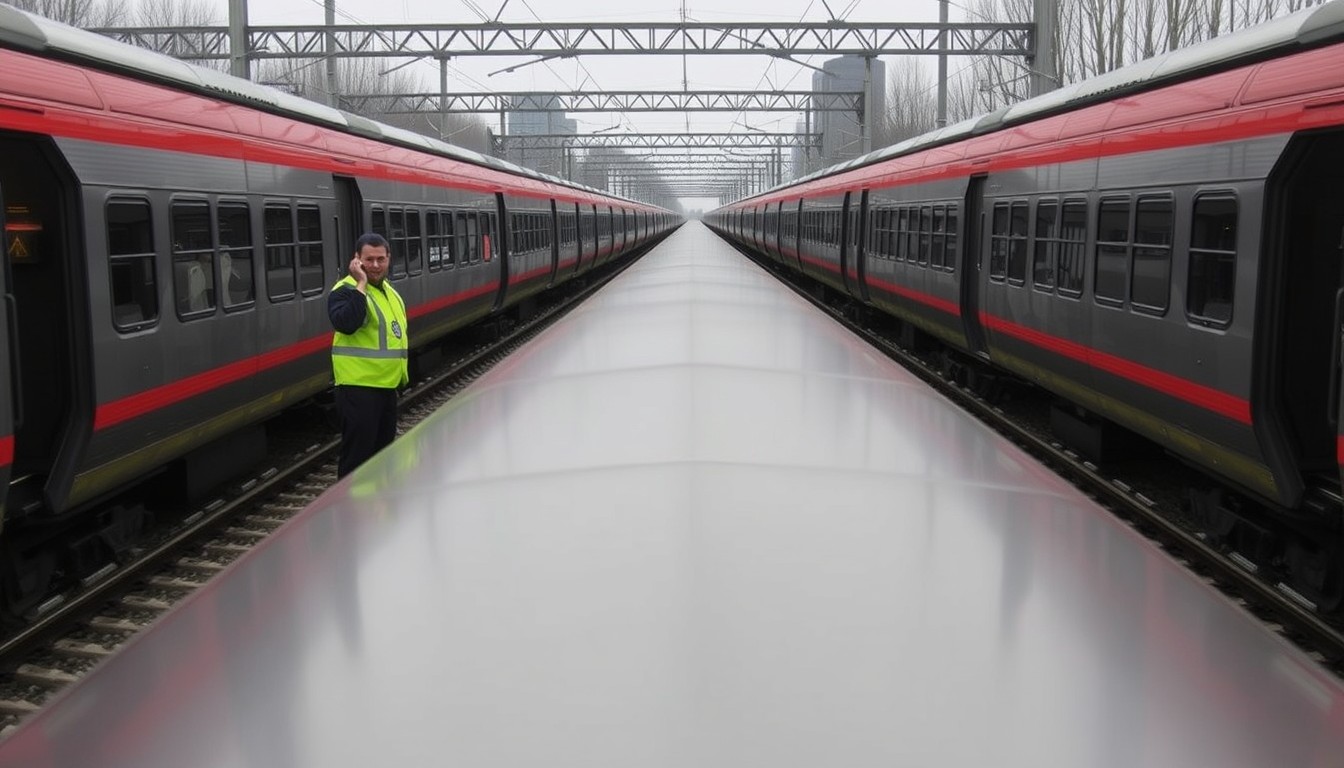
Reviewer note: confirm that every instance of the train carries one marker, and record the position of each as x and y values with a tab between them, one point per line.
1158	248
771	548
170	235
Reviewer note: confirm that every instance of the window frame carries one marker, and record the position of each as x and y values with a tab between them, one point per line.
1136	245
189	255
1123	249
113	260
225	292
267	248
1203	320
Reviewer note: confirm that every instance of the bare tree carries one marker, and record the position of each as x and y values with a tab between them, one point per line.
78	13
912	106
307	78
175	13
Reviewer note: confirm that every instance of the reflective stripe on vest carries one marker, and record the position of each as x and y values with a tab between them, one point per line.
355	360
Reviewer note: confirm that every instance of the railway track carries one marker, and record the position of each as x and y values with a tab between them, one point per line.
76	630
1153	514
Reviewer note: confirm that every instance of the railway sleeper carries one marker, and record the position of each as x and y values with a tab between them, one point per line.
1306	559
40	561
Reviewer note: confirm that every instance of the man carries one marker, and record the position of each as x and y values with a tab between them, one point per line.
368	353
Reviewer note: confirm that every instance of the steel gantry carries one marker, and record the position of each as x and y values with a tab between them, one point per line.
605	101
565	40
241	43
761	140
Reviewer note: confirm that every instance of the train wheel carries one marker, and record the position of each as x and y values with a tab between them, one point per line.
1316	570
25	581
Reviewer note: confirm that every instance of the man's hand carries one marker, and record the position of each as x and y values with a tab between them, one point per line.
357	272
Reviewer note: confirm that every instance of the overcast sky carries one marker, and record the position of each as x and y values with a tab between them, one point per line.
611	72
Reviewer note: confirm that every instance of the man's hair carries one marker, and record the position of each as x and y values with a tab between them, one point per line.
371	238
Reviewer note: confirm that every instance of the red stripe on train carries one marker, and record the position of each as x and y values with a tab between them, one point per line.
919	296
113	413
1208	398
141	403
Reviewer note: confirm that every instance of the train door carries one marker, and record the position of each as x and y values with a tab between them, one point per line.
501	245
1300	369
349	219
846	251
51	401
554	228
12	242
859	239
970	272
797	236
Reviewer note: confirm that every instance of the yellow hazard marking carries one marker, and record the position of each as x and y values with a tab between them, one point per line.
17	250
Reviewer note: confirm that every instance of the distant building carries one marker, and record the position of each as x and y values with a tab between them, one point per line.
841	138
530	122
798	155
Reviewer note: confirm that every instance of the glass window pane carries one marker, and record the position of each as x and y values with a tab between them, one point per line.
278	225
414	253
1017	252
130	241
1150	284
235	254
193	258
1073	241
998	243
311	279
1215	224
1211	283
1043	262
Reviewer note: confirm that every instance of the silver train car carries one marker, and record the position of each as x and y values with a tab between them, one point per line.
170	236
1159	247
696	523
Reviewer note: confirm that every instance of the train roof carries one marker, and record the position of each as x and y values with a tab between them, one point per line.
27	31
1303	29
697	523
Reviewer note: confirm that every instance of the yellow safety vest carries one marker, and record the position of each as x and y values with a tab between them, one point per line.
374	355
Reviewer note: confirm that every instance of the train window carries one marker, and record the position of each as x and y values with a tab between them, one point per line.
886	236
1112	256
130	252
999	240
471	234
396	237
193	258
488	231
379	220
1017	243
925	234
517	232
432	242
311	280
1046	245
938	249
903	235
567	233
415	248
278	226
461	253
439	234
1150	276
1213	259
235	254
882	233
950	252
1069	259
